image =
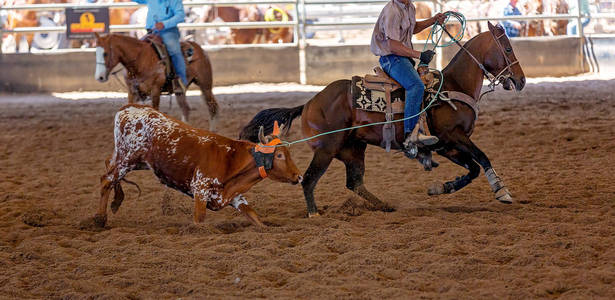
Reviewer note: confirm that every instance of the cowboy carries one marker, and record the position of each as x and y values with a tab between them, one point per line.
392	41
512	27
162	18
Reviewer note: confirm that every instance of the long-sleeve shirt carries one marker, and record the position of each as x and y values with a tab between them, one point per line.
509	26
169	12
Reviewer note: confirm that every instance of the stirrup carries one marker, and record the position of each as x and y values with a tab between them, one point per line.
411	149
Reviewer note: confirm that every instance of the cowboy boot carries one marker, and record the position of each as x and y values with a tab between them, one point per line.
416	139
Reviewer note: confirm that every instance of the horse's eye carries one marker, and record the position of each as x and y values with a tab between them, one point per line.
105	54
508	49
280	155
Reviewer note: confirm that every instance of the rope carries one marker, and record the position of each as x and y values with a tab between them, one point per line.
436	29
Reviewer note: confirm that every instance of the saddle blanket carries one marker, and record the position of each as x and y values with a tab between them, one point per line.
373	100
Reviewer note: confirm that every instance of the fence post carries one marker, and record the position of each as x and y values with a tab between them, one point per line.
580	34
302	60
437	5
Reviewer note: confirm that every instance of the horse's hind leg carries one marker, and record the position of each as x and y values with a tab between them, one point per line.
463	159
497	186
353	157
318	166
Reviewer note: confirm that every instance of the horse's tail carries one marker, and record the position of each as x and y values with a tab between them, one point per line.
266	118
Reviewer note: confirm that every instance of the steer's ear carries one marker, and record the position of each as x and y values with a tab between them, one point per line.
97	35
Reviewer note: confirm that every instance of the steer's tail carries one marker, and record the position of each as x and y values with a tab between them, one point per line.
266	118
118	197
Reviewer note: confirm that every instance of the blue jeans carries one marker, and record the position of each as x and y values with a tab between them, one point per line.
170	38
572	25
402	70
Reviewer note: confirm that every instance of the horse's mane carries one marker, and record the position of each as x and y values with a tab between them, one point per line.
458	54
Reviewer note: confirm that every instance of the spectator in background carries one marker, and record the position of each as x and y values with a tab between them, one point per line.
513	28
572	26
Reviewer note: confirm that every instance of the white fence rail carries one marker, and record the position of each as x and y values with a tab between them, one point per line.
300	24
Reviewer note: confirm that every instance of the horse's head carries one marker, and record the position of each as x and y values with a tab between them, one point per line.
501	62
105	58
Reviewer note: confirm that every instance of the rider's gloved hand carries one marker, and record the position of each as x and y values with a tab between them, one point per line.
426	57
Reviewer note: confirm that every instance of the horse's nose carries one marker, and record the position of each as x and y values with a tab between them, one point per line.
521	83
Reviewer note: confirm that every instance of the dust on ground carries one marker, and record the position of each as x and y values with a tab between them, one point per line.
553	144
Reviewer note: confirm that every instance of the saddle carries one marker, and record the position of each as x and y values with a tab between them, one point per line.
382	94
156	42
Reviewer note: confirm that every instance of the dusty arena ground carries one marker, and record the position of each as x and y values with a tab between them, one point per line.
553	144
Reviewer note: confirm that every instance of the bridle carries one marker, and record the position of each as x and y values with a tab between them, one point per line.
502	76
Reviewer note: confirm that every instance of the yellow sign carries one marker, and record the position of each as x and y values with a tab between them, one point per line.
87	23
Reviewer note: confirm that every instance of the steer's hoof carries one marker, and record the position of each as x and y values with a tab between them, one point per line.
385	207
503	195
100	220
436	188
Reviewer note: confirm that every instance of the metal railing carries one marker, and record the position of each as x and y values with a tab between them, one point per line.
299	24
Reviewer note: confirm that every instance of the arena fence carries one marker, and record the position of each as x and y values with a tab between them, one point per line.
300	25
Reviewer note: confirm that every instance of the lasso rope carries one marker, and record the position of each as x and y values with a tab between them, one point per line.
436	29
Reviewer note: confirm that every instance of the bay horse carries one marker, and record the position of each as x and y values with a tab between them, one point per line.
332	109
146	72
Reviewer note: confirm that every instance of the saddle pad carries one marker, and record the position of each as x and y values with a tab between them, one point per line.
373	100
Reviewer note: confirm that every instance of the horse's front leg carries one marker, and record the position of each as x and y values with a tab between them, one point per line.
497	186
156	99
183	104
133	92
463	159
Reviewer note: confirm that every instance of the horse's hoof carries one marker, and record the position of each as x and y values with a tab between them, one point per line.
503	195
387	208
436	188
312	215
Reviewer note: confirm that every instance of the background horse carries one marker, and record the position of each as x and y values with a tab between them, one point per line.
332	109
146	72
251	13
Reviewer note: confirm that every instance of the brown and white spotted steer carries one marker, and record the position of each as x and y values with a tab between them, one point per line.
212	169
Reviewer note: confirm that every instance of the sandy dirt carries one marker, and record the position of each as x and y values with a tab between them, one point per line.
553	144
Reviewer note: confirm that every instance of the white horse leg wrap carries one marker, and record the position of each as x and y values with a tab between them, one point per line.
494	181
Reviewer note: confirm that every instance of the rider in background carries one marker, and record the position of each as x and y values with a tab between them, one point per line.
162	18
512	28
392	41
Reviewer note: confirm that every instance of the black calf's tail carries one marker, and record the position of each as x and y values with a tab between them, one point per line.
266	118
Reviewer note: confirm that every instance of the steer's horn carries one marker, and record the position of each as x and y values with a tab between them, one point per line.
261	135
